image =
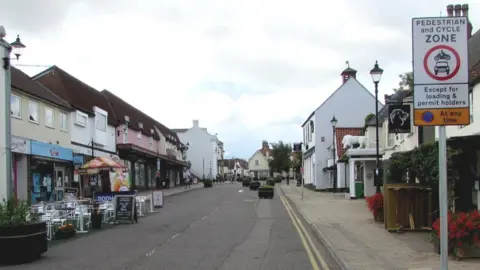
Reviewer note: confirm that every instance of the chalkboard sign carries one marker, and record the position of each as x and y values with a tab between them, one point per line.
124	208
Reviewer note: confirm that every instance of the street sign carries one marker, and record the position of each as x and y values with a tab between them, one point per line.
440	71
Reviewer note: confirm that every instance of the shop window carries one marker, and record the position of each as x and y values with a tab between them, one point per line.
49	115
33	111
15	106
81	119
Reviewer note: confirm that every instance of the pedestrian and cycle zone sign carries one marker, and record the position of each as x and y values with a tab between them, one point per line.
440	71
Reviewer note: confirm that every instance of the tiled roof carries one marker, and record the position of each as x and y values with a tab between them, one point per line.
230	163
474	57
383	113
78	94
264	151
340	133
121	109
23	82
179	130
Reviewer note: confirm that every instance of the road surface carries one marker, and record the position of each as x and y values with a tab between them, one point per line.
225	227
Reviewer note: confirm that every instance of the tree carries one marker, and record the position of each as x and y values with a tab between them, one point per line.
406	82
280	157
297	161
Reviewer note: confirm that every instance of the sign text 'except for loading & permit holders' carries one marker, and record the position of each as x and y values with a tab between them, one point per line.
441	96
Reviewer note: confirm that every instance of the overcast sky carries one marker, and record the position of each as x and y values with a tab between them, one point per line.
248	70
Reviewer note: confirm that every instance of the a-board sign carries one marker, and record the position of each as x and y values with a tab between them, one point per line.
124	208
70	194
157	197
440	71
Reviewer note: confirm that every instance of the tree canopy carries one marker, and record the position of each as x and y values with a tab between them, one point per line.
280	157
406	82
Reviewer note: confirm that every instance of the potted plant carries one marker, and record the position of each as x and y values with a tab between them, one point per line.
375	204
270	182
463	234
65	231
245	182
254	185
22	238
266	192
207	183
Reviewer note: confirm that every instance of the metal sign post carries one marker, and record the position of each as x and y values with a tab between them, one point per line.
441	94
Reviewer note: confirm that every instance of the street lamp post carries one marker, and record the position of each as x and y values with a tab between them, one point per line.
376	74
17	46
334	124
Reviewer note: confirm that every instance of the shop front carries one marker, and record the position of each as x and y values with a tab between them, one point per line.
142	164
50	171
20	152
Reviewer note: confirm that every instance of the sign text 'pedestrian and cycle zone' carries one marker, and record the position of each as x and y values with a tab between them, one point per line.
440	71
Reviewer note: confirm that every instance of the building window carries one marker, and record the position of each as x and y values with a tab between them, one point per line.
390	140
81	119
256	163
63	121
33	111
15	106
49	117
139	135
101	121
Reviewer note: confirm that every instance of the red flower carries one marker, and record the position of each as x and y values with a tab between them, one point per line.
463	228
375	203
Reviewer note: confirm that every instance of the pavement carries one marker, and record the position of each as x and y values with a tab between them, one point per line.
346	228
225	227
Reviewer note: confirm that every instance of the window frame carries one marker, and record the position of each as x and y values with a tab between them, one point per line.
81	114
19	116
30	103
53	117
104	127
62	115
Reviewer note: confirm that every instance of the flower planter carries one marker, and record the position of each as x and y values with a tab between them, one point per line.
65	234
23	243
245	183
466	252
254	185
207	184
266	193
270	183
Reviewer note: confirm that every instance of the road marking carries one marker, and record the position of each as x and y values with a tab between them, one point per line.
310	255
241	190
302	229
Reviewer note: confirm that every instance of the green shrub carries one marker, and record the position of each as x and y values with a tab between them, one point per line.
266	186
14	213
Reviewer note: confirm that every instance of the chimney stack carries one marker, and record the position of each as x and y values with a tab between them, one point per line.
265	145
465	10
458	10
195	123
450	10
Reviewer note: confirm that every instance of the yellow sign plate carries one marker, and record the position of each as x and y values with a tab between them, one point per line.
442	117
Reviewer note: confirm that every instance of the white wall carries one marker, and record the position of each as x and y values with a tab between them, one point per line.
262	162
200	150
474	127
309	134
348	116
84	134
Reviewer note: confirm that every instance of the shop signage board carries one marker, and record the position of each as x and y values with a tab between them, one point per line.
51	151
124	208
399	120
157	197
440	71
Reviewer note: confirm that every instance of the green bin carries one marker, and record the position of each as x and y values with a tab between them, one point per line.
359	189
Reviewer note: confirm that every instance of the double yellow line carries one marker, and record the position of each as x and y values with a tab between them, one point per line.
312	251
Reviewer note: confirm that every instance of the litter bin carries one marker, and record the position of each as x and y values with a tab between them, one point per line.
359	189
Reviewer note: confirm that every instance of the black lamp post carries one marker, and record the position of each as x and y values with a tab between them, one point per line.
334	124
376	74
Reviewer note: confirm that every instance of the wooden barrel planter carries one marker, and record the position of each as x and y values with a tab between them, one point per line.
23	243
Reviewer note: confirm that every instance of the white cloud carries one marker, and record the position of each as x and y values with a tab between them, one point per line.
257	63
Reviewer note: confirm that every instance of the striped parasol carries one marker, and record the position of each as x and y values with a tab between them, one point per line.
102	163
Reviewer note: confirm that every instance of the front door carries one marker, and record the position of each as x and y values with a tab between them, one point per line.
59	182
